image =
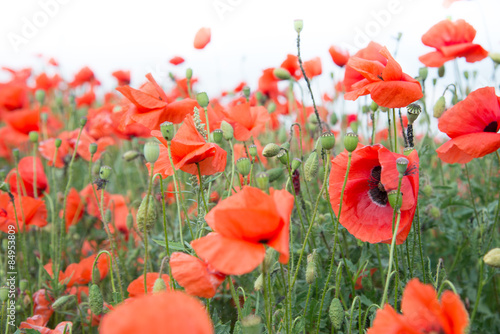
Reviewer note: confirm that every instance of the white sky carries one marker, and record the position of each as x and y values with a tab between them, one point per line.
142	36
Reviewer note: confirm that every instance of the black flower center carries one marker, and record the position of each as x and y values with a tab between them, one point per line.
377	192
492	127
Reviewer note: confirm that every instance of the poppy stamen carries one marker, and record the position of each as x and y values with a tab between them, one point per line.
492	127
377	192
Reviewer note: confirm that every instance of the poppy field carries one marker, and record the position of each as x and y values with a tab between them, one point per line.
267	208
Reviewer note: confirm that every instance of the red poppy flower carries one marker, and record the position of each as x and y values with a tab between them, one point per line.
33	211
42	305
44	82
81	273
339	56
202	38
189	148
366	213
26	173
243	223
247	121
313	67
85	75
13	95
176	60
74	208
451	40
36	323
388	85
123	77
136	287
165	312
371	52
472	125
197	277
152	106
291	64
422	313
268	84
86	100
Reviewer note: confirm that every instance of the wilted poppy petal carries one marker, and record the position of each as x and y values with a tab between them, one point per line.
202	38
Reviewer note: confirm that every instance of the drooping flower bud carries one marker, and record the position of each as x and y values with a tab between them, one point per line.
257	285
23	285
311	166
271	150
296	162
243	165
95	299
334	119
227	130
311	269
130	221
274	174
4	293
351	141
336	313
435	212
441	71
130	155
281	73
202	99
439	107
159	285
105	172
271	107
167	130
151	151
148	221
83	121
492	258
63	302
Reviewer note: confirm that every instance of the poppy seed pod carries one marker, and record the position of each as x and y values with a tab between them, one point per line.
44	117
202	99
252	150
227	130
407	151
243	165
282	156
105	172
334	119
271	150
296	162
427	190
298	25
151	151
311	166
413	111
401	165
492	258
92	148
374	106
495	56
40	96
23	285
435	212
83	121
33	135
217	136
439	107
423	72
274	174
262	179
95	299
189	73
57	142
327	140
395	201
351	141
281	73
143	221
441	71
336	313
167	130
159	285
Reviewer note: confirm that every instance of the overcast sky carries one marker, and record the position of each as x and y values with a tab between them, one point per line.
247	36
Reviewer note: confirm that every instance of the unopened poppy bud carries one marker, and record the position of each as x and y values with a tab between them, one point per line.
151	151
492	258
423	72
334	119
435	212
57	142
354	126
107	215
217	136
401	165
44	117
62	302
441	71
83	121
365	109
105	172
312	119
159	285
327	140
130	155
4	293
167	130
311	270
246	91
262	180
33	135
268	260
257	285
336	313
351	141
311	166
427	190
189	73
439	107
495	56
23	285
466	75
96	168
96	275
202	99
373	106
281	73
296	162
298	25
143	221
243	165
407	151
40	95
95	299
271	107
413	111
286	146
282	156
251	324
227	130
271	150
252	150
5	187
92	148
274	174
394	201
130	221
434	81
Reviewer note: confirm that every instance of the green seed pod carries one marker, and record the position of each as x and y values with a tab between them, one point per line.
257	285
334	119
311	269
492	258
354	126
189	73
202	99
151	151
5	187
243	165
393	199
262	179
282	156
435	212
92	148
23	285
274	174
251	324
33	135
327	140
281	73
311	166
296	162
63	302
141	218
105	172
373	106
427	190
252	150
4	293
227	130
44	117
441	71
271	150
40	96
336	313
439	107
423	72
407	151
351	141
83	121
217	136
95	299
401	165
298	25
159	285
271	107
167	130
57	142
413	111
246	91
108	215
131	155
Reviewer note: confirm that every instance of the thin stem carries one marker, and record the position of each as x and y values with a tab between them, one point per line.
471	195
201	188
145	231
480	288
235	297
395	129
